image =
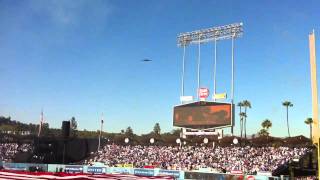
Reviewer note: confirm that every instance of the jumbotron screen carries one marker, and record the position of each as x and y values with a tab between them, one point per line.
202	115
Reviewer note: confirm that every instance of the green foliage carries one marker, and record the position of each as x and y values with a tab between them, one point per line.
308	121
129	132
240	104
246	104
73	123
243	115
176	132
263	132
7	127
157	129
6	124
73	126
287	104
168	138
266	124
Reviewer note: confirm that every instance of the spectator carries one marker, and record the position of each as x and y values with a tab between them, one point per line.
9	150
247	159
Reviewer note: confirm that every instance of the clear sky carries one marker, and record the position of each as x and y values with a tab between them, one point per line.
81	58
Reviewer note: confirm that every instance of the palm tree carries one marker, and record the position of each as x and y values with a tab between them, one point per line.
287	104
240	105
266	124
263	132
309	122
242	116
246	105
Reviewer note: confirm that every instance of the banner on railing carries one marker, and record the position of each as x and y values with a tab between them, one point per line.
120	170
96	170
74	169
174	173
25	166
143	172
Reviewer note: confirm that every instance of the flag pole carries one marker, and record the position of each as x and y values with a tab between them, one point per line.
41	122
101	124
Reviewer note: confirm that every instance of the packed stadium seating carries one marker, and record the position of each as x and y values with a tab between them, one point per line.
219	159
247	159
9	150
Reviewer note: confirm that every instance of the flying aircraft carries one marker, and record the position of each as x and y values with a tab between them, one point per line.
146	60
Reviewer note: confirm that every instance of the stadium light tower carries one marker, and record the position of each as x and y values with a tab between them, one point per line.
231	31
198	37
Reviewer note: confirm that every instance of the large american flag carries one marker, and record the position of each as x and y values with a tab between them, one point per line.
8	175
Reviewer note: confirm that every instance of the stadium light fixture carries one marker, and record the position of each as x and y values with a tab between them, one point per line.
229	31
235	141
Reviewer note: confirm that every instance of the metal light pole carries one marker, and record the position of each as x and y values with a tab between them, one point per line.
232	80
183	69
199	59
215	70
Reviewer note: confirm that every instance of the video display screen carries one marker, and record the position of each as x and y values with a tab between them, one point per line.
202	115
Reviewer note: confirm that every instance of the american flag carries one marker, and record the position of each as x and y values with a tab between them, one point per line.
79	176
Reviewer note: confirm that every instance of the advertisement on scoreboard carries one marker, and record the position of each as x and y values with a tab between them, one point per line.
203	115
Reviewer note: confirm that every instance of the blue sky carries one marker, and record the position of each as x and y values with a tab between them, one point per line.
82	58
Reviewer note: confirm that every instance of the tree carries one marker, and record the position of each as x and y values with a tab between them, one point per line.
309	122
73	126
266	124
287	104
263	132
129	132
240	105
176	132
45	128
246	105
157	129
242	116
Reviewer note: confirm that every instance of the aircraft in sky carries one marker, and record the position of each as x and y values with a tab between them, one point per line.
146	60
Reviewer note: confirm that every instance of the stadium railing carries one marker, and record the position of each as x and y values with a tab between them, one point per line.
129	170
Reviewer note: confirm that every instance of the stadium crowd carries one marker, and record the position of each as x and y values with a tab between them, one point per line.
9	150
220	159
